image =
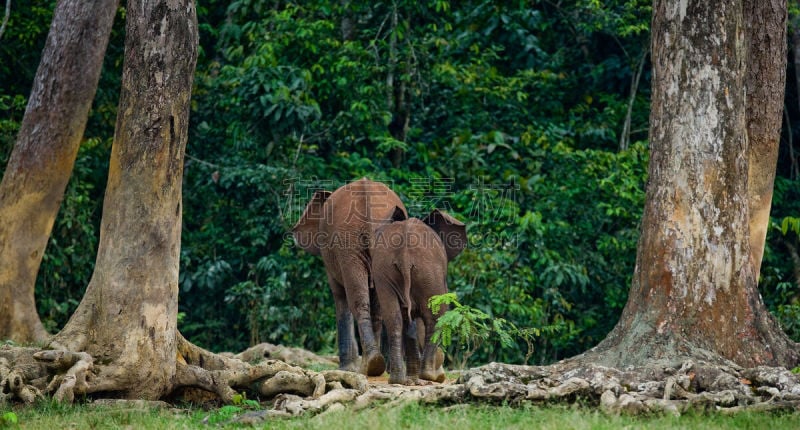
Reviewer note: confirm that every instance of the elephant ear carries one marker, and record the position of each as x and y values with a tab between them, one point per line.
306	230
452	232
399	214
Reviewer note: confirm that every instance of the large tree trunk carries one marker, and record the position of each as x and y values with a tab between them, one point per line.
694	290
41	161
128	316
765	84
123	341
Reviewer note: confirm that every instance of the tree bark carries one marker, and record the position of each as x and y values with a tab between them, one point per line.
765	84
694	291
128	316
42	159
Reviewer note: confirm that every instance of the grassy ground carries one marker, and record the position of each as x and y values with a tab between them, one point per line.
461	417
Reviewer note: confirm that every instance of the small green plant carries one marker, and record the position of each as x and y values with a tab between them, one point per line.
226	413
242	400
471	328
8	419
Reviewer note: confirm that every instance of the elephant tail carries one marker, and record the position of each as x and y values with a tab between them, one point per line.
405	294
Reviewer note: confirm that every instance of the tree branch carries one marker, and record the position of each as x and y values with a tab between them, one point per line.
5	18
625	136
794	171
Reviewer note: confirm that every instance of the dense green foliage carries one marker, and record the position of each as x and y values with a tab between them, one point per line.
510	115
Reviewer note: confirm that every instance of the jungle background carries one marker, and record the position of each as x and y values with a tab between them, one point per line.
525	119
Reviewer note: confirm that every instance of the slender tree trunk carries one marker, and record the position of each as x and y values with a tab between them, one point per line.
128	316
396	92
765	84
625	136
43	156
793	169
347	24
694	290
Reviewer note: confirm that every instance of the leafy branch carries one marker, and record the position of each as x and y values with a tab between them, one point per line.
471	328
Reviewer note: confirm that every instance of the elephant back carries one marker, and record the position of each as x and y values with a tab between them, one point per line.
421	235
410	240
360	207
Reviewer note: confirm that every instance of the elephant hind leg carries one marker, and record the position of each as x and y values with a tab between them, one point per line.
346	337
432	369
377	323
432	356
356	285
373	364
348	348
372	361
411	344
394	328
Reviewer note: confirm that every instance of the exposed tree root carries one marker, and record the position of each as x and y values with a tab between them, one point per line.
223	375
74	379
657	389
294	356
13	386
27	373
654	389
133	405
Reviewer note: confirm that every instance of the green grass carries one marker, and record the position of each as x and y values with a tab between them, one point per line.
51	417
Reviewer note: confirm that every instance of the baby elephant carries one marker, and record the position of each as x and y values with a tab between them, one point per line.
409	265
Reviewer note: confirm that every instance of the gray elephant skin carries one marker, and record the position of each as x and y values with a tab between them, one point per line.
339	226
409	266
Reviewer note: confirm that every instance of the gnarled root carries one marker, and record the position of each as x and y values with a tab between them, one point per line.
224	375
671	387
13	386
62	373
689	386
294	356
287	405
302	383
75	380
352	380
396	394
236	374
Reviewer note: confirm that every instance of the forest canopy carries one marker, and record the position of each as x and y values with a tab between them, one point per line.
527	121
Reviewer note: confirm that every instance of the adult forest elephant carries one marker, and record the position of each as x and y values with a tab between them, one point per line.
339	226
